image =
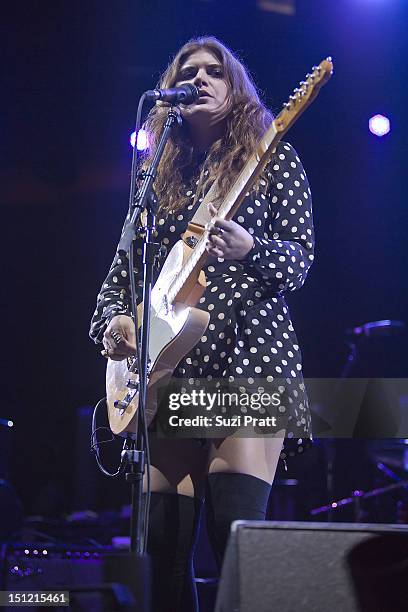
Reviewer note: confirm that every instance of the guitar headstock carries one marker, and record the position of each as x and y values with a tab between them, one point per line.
304	95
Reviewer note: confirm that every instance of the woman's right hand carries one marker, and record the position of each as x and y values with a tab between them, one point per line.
119	338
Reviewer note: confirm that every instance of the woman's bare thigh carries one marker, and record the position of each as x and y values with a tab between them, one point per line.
257	456
177	466
181	466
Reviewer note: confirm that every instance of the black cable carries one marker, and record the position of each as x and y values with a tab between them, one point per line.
95	444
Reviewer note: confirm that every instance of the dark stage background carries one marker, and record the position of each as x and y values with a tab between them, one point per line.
73	73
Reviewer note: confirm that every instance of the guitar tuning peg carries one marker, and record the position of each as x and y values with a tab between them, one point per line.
314	68
328	59
308	75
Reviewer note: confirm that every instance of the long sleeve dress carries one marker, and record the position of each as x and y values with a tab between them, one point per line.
250	336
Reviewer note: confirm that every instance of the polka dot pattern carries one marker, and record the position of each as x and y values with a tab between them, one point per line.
251	339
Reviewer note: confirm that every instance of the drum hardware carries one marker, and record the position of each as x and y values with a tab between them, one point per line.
357	497
374	329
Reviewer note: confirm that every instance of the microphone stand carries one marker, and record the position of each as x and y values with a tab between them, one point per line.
134	453
127	576
131	571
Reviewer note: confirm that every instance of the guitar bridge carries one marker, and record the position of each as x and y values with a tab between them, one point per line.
123	405
120	404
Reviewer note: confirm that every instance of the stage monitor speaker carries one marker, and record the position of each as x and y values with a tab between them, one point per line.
314	567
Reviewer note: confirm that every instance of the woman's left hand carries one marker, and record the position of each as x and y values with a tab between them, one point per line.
227	239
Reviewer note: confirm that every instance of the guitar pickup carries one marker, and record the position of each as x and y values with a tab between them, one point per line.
120	404
132	384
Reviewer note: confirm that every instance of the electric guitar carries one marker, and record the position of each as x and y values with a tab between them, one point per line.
176	326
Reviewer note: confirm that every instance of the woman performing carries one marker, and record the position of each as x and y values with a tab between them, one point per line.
265	251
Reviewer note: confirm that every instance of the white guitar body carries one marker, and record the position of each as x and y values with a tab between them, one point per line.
174	330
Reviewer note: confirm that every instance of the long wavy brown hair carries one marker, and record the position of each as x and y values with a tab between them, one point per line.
246	122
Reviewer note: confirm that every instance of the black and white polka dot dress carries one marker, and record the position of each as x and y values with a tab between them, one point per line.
250	337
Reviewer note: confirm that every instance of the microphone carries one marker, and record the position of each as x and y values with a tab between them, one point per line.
186	94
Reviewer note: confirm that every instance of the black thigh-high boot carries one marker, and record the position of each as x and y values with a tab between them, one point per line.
231	496
173	528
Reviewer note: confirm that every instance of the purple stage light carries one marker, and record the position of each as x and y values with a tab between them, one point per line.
142	140
379	125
